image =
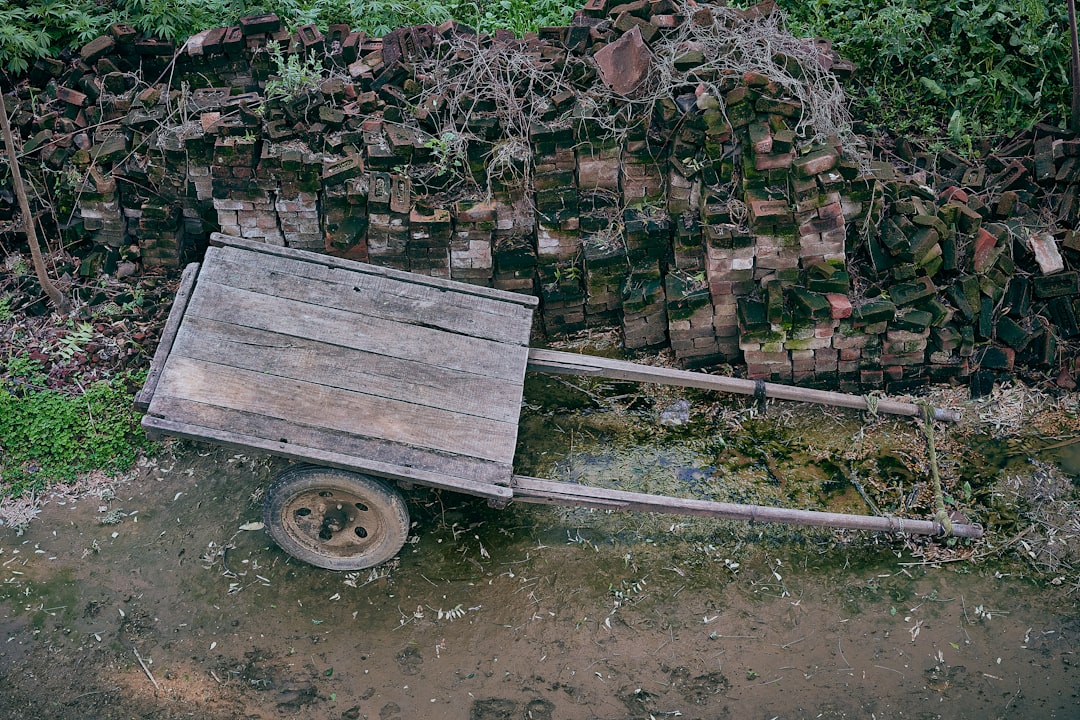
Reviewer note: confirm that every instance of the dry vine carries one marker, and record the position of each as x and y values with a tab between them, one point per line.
515	82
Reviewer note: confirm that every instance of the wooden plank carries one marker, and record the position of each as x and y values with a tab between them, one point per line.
479	291
355	370
168	336
339	327
369	295
336	409
160	426
561	363
363	450
549	492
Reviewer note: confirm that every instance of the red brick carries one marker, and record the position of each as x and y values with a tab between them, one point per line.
840	305
953	193
986	251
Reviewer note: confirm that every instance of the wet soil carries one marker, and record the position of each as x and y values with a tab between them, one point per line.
145	599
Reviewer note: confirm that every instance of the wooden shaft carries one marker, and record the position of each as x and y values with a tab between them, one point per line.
549	492
561	363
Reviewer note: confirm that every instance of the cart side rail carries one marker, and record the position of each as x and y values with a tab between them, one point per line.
168	337
550	492
563	363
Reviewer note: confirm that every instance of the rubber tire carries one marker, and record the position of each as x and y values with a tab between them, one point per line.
383	517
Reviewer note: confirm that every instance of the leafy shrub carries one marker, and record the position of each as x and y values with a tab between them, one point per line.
43	27
179	19
46	435
520	16
961	69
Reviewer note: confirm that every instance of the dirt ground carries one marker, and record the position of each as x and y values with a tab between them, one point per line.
146	598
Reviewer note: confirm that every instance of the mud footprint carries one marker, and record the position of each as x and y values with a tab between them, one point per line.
494	709
390	711
539	709
410	660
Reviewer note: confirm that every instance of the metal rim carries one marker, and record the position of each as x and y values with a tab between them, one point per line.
335	519
333	522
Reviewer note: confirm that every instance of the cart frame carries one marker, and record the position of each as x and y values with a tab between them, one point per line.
376	376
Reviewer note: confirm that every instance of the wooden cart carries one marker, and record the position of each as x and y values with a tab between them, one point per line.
371	377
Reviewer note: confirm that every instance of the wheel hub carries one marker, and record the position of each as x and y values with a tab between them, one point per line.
333	522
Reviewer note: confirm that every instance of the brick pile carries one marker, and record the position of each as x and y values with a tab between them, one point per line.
711	225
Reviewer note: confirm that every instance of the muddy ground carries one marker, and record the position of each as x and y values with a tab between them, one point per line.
145	598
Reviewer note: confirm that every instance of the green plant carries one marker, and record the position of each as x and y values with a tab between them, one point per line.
294	76
520	16
20	369
958	69
449	151
178	19
73	343
6	313
48	436
45	27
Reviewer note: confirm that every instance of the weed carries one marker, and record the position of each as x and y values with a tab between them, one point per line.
449	150
73	343
24	370
294	75
6	312
47	436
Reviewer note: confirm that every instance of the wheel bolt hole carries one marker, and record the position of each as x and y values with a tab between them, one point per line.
362	507
325	493
361	532
303	512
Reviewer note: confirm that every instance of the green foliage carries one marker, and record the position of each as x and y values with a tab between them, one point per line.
375	17
293	76
449	151
949	68
521	16
38	28
179	19
44	27
48	436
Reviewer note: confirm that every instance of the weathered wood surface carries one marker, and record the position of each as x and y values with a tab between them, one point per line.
156	427
168	336
549	492
221	240
328	362
372	295
561	363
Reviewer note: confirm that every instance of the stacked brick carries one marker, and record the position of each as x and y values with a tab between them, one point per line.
99	206
389	205
514	245
471	259
710	224
644	317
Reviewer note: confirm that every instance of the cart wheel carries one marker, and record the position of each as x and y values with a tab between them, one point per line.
335	519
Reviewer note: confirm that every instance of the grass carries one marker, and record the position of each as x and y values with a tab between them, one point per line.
49	436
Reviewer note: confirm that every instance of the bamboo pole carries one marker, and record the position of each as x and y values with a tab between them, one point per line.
561	363
58	298
551	492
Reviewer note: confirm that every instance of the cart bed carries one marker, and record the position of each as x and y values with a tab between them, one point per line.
344	364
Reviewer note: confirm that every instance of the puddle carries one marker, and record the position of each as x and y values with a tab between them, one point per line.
539	611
